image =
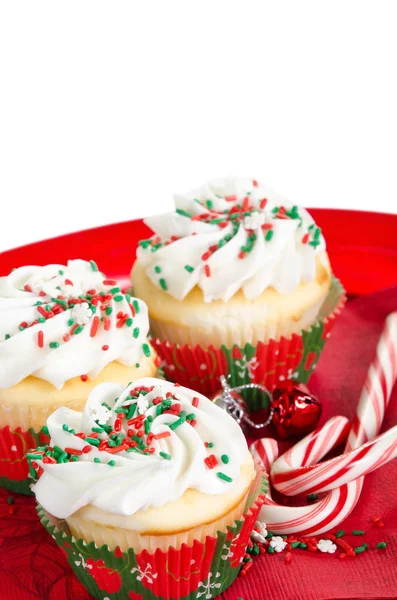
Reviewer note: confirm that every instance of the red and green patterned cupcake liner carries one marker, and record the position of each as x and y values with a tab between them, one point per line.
14	468
202	570
268	364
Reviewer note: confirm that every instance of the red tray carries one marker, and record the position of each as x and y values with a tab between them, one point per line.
363	251
362	247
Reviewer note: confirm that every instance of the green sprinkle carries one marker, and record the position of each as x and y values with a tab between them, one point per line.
109	310
94	266
92	441
128	298
41	320
146	349
7	335
97	429
270	550
63	457
302	545
189	269
224	477
135	333
21	328
111	463
45	430
146	426
210	445
166	403
312	497
97	460
165	455
48	308
78	330
60	302
163	284
177	423
225	459
106	405
360	549
112	443
54	344
209	204
65	427
10	500
136	306
33	456
144	243
114	290
118	298
183	213
157	269
129	322
137	365
70	322
381	545
190	417
159	410
295	544
131	411
340	533
358	532
269	235
60	272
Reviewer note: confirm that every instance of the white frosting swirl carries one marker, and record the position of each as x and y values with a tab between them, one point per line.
229	235
199	447
59	322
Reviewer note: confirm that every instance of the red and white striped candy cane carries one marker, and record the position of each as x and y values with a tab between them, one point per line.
337	504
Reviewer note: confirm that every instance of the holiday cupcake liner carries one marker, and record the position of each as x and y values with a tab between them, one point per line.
294	357
199	570
14	468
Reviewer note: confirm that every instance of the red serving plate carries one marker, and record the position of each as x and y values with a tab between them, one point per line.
363	251
362	247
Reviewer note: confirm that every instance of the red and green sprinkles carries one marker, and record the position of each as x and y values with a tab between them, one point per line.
128	431
100	307
232	217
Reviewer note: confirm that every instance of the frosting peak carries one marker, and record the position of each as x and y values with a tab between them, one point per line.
228	235
58	322
135	448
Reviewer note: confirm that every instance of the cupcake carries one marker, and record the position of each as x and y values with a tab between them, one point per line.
237	281
150	490
63	330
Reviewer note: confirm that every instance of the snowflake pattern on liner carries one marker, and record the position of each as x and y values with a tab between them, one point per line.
145	574
208	586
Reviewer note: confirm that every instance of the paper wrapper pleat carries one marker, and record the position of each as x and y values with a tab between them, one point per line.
199	570
268	363
14	469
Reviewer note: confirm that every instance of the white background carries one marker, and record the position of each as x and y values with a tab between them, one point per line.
109	107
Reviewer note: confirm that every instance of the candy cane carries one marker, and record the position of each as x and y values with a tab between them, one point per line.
337	504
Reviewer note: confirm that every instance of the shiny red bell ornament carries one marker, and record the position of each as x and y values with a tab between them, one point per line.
293	410
296	411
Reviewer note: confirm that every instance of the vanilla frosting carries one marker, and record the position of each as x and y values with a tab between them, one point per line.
58	322
135	448
231	234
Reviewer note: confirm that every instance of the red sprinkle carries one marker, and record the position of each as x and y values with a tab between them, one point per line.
305	238
288	558
106	323
103	445
206	255
42	293
211	461
195	402
241	254
73	451
117	425
254	183
116	449
193	422
42	311
160	436
84	377
246	203
230	198
40	339
68	282
263	203
207	270
87	449
94	327
105	347
109	282
80	435
49	460
27	287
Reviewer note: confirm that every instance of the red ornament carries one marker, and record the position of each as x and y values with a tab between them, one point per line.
296	410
